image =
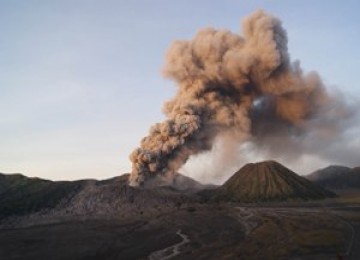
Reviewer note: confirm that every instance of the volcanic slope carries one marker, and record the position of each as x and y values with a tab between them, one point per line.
268	181
339	178
21	196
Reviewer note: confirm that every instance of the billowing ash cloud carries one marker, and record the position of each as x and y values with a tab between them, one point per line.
245	87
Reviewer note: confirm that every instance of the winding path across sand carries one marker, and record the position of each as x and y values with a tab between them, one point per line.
171	251
247	218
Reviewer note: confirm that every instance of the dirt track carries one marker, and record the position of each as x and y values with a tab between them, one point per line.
207	232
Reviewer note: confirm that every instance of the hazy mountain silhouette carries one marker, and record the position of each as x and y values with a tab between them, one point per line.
268	181
337	177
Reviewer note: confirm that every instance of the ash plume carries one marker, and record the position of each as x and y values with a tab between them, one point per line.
243	85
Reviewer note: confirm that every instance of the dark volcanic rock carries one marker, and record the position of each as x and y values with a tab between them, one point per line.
337	177
26	201
268	181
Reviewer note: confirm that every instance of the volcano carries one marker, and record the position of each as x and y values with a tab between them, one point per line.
268	181
68	219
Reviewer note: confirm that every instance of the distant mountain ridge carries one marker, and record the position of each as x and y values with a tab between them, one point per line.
33	199
269	181
336	177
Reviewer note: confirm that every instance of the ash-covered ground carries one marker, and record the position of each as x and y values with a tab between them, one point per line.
112	220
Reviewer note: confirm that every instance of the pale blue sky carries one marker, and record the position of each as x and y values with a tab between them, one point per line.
80	80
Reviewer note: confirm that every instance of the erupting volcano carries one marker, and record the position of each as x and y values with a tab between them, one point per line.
245	86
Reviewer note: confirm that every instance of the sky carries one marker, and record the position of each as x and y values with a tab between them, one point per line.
81	82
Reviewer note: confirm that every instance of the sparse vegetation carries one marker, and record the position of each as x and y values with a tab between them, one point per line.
21	195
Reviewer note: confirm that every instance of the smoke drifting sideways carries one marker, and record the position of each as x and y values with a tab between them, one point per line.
242	87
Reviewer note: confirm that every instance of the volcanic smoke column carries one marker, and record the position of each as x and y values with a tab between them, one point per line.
227	82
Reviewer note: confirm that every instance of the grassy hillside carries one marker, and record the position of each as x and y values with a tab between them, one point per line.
21	195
